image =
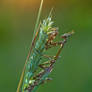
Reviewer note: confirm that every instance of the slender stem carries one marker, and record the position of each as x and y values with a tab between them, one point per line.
38	18
35	29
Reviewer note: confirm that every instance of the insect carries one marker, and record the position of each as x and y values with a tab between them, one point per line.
43	40
47	67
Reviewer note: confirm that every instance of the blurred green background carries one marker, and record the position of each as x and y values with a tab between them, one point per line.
73	72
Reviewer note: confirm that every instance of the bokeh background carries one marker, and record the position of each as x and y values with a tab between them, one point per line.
73	72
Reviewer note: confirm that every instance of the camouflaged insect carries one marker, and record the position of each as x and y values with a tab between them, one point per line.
35	72
47	33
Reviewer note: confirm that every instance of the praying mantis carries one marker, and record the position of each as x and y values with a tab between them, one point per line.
35	72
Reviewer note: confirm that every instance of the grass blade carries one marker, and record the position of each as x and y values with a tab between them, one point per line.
36	26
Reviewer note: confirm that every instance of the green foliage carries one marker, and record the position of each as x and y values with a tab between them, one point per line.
37	53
